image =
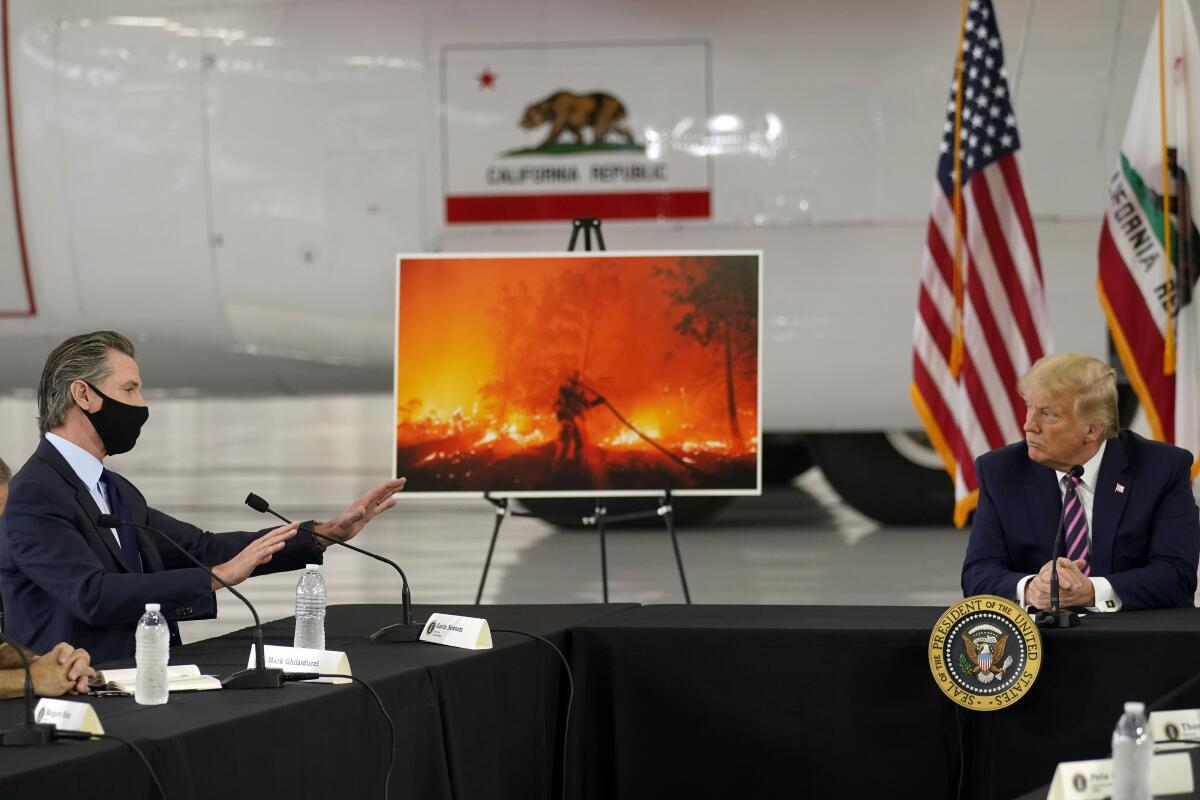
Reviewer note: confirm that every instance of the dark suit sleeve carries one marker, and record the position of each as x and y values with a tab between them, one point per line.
217	548
987	566
47	547
1169	577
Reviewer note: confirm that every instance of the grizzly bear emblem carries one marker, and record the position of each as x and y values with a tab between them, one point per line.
566	111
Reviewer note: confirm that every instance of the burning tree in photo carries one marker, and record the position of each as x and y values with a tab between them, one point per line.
596	372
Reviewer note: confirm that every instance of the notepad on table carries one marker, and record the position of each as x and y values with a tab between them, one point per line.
180	678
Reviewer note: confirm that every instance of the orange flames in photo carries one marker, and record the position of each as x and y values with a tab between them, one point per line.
568	374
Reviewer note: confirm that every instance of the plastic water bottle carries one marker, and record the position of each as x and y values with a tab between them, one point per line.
310	609
1132	751
152	649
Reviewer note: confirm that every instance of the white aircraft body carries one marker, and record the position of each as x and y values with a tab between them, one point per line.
230	182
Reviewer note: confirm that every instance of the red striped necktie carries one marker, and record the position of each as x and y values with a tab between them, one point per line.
1076	525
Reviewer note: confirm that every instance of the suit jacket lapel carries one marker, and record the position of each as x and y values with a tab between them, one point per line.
48	453
1044	501
1108	504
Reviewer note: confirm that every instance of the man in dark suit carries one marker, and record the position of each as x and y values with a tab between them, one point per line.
64	578
64	670
1132	528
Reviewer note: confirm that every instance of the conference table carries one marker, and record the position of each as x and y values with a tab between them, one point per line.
468	723
838	701
670	701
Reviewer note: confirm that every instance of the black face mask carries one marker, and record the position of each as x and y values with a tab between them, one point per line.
118	424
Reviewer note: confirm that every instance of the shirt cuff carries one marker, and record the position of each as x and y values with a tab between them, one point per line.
1021	589
1106	599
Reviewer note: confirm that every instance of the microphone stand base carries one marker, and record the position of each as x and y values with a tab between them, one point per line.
1062	618
254	678
397	633
27	735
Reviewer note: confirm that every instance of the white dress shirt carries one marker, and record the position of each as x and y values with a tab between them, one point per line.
89	470
1106	598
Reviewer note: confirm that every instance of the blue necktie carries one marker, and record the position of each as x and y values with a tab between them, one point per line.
125	534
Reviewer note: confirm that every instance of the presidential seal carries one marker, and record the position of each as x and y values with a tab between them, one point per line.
985	653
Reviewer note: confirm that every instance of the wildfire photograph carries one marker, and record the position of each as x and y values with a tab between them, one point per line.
578	373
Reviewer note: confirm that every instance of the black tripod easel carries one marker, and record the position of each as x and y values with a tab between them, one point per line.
600	519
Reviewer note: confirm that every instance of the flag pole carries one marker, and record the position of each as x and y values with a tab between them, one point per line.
956	345
1169	295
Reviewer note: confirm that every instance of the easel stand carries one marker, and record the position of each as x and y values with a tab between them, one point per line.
601	519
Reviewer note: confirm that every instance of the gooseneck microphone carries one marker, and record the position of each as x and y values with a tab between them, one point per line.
407	629
1056	616
29	732
257	677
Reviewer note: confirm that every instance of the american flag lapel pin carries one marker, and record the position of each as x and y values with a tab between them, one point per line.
1120	488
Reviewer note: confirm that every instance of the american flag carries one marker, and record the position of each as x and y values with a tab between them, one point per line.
981	318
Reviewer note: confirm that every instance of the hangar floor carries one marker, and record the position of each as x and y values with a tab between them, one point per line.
198	458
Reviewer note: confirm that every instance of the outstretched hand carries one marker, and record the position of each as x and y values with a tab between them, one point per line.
254	555
347	525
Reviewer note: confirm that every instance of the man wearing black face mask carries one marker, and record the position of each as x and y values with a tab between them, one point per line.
62	577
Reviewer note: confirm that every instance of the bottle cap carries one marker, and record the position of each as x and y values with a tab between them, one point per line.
312	566
1135	708
152	606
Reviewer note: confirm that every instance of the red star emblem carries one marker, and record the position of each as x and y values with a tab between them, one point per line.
487	79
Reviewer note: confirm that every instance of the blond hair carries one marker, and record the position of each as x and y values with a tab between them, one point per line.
1089	380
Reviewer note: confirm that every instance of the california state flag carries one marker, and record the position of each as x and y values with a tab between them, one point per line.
1147	280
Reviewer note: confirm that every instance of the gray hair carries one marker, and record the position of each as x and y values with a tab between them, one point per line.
5	473
80	358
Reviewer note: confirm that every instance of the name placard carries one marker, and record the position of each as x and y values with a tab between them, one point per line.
1181	726
469	633
1170	773
301	659
68	715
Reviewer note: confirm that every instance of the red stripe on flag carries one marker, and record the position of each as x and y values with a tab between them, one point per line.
979	402
1016	195
1006	271
995	344
533	207
940	253
934	324
946	421
1139	330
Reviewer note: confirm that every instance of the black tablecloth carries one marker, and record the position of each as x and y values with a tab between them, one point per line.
774	701
468	724
672	701
1088	675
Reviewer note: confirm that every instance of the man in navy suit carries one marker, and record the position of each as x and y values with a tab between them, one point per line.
1131	529
64	578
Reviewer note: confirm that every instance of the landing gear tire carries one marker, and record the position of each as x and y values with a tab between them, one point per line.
895	477
785	456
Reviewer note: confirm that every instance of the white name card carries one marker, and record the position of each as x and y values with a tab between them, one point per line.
68	715
1170	773
300	659
1181	724
469	633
